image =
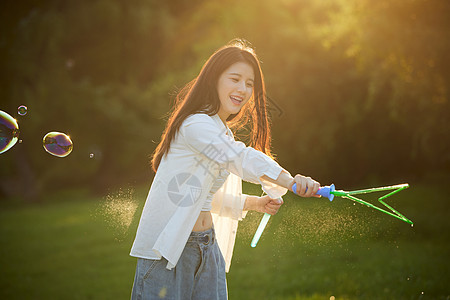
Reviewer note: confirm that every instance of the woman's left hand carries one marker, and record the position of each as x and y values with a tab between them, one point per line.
265	204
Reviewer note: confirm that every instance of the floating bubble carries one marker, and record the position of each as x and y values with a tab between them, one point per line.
9	132
91	155
57	144
22	110
70	63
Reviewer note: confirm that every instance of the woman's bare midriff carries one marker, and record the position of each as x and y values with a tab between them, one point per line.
204	221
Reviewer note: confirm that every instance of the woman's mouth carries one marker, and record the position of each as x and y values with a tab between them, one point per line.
236	100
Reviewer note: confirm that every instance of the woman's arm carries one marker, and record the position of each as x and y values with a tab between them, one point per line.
203	135
286	180
265	204
219	150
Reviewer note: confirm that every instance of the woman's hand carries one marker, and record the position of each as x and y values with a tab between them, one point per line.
306	186
263	204
285	180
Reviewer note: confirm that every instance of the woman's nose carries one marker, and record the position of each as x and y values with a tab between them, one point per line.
241	87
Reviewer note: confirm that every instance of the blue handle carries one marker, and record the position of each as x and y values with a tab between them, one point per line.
325	191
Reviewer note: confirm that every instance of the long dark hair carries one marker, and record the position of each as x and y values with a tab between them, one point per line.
200	96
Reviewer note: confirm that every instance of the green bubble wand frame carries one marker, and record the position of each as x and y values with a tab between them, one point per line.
330	192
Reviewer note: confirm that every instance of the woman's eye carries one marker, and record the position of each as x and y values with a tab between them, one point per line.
234	79
250	85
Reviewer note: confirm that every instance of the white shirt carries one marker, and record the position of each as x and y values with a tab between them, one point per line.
202	148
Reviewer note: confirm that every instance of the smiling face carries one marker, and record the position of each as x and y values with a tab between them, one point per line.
234	87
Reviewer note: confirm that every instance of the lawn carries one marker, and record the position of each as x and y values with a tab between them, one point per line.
75	246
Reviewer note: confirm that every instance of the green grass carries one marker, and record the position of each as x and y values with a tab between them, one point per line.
75	246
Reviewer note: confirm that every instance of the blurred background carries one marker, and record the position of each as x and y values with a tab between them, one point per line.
358	89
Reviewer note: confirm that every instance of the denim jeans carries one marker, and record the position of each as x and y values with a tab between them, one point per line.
199	273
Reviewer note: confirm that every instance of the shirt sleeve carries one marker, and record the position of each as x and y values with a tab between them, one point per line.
219	150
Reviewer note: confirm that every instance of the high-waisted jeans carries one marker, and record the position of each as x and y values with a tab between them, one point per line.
199	273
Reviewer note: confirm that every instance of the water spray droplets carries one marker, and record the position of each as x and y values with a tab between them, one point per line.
118	211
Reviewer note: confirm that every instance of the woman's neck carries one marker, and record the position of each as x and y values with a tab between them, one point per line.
223	117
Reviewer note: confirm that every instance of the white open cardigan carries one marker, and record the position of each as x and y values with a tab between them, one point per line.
201	149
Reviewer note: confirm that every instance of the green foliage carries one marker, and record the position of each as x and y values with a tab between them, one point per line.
359	89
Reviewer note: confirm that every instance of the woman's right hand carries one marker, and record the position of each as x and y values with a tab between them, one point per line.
263	204
306	186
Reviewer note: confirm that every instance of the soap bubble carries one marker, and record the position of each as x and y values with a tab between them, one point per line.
57	144
70	63
22	110
9	131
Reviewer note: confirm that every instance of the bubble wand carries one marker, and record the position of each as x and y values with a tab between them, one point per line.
330	191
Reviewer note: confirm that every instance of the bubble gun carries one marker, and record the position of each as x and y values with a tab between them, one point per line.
330	192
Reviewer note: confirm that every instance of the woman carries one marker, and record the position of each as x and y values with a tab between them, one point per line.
187	229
